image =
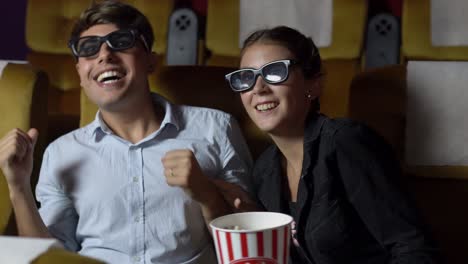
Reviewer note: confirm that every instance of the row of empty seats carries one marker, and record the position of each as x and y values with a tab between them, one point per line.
419	107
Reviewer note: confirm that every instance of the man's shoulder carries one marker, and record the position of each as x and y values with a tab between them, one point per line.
76	135
204	113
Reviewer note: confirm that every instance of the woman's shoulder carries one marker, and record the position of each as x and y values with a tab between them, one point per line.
341	124
345	133
346	128
320	126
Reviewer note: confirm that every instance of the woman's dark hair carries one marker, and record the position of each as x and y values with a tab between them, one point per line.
302	47
117	13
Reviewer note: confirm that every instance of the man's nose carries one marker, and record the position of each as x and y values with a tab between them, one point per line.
105	53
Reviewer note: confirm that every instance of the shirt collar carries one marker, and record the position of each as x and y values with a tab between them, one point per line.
171	117
313	125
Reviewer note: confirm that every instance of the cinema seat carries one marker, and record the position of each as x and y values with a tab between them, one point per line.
23	96
386	99
417	46
59	256
377	98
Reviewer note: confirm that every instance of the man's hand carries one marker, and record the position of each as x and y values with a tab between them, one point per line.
181	169
16	157
16	162
238	199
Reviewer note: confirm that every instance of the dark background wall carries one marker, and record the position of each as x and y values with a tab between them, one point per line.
12	30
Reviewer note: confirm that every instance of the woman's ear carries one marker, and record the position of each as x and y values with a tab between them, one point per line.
314	88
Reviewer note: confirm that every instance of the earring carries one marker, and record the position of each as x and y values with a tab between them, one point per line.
308	95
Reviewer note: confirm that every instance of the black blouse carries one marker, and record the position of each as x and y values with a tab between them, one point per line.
349	208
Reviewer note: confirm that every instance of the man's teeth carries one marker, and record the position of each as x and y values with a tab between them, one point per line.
110	81
109	77
265	107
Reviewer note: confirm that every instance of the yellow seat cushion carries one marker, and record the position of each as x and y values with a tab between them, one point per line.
349	24
23	95
222	27
416	35
222	31
60	256
63	93
49	22
335	94
59	67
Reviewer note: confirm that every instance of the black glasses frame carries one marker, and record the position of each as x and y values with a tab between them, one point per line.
259	72
135	34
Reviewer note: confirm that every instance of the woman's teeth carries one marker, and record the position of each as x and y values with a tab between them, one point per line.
266	107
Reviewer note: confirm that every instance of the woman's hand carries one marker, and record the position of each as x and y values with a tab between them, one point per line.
238	199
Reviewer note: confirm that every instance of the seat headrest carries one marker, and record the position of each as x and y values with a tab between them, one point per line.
436	113
423	24
313	18
448	23
49	23
4	63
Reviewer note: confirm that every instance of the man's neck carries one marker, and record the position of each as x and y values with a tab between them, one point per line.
136	124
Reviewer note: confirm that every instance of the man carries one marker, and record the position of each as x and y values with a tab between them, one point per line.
135	185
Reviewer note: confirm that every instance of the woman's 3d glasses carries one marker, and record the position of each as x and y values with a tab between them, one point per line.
117	40
274	72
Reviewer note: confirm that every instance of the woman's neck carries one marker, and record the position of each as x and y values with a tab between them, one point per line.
292	149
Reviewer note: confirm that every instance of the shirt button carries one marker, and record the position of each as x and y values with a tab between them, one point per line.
135	179
137	219
136	259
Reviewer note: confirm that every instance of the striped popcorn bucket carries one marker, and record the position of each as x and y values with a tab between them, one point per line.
252	238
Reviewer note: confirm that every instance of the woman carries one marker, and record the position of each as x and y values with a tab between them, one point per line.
335	177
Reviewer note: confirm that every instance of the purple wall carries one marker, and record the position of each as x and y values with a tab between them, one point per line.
12	30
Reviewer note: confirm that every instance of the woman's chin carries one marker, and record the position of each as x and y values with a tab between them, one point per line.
266	127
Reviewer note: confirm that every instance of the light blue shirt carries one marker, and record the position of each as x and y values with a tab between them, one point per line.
108	198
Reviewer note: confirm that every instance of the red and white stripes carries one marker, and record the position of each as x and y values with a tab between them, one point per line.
268	246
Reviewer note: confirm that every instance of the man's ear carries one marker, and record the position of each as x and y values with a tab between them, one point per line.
77	67
153	61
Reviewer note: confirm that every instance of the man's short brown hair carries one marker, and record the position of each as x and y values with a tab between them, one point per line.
114	12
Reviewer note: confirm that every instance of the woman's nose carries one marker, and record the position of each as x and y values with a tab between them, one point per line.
260	86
